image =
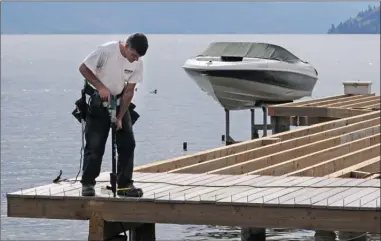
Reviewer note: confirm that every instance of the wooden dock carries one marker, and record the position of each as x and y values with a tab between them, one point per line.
320	176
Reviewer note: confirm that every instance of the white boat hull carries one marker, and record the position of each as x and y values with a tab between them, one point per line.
244	84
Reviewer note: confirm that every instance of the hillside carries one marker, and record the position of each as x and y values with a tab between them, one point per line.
173	17
366	22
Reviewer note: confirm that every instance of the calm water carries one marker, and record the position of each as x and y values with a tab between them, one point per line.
40	82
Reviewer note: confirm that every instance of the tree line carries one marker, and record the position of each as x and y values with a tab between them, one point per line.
366	22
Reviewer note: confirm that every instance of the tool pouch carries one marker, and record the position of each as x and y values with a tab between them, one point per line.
95	107
81	108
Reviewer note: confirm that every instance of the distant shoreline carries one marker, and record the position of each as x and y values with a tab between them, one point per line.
309	34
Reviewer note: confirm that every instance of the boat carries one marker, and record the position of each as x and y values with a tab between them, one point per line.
245	75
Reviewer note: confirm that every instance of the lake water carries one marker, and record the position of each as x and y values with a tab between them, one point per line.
40	82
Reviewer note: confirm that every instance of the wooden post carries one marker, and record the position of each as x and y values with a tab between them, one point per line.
249	233
280	124
253	234
321	235
359	88
96	227
115	231
100	230
145	232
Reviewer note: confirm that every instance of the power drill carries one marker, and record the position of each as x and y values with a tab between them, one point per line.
111	108
112	111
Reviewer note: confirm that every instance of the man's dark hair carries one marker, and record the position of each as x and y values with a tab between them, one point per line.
139	42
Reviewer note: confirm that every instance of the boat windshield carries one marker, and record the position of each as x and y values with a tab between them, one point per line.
249	50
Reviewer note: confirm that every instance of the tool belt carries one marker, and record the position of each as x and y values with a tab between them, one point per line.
91	92
82	107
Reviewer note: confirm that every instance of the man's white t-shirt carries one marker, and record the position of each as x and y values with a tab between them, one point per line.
112	69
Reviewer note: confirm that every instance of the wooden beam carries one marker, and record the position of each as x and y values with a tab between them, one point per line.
374	167
335	164
334	112
330	112
200	157
198	214
277	147
362	103
303	131
280	162
374	176
313	159
360	98
318	101
373	107
372	164
340	100
308	121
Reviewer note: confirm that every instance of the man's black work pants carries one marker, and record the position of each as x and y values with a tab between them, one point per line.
96	135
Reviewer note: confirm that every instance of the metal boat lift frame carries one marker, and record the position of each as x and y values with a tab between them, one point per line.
254	127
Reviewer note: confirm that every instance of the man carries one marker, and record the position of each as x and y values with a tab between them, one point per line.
113	68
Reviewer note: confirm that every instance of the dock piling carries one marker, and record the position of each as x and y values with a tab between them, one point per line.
264	109
145	232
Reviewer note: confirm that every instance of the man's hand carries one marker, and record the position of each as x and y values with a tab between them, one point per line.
105	94
103	91
128	93
118	124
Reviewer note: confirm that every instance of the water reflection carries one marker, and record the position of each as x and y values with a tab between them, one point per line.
222	233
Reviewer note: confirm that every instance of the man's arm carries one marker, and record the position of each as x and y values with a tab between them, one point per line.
89	76
127	96
129	90
92	62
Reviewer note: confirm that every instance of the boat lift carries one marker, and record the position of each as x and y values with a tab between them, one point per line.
254	127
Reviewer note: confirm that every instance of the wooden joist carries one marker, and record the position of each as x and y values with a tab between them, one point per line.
335	100
241	151
283	150
332	107
318	150
365	166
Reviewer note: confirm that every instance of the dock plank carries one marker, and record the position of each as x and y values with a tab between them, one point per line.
281	181
233	187
286	193
323	197
360	199
190	191
308	192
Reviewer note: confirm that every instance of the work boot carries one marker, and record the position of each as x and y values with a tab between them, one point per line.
130	191
88	190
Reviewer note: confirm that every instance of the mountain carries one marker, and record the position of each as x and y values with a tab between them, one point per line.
366	22
173	17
